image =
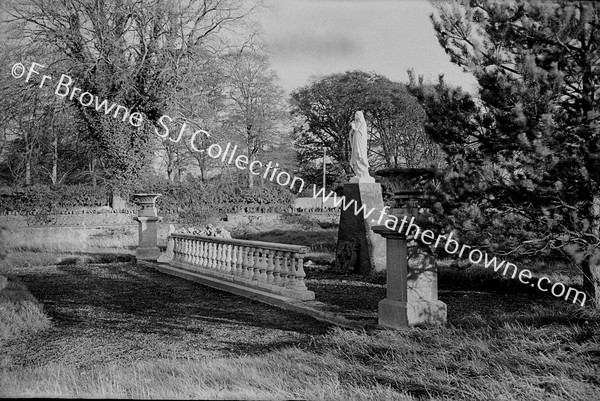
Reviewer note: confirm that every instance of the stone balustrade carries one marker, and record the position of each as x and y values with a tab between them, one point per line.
272	267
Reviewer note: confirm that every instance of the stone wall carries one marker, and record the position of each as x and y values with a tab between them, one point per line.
77	217
306	204
75	237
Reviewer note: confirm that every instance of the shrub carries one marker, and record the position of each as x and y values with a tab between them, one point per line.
45	199
194	201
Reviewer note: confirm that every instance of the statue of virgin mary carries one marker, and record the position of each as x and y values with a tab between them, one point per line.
358	144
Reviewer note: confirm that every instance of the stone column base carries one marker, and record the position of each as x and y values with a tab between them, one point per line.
357	243
395	314
152	253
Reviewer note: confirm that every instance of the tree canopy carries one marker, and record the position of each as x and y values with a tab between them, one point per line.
135	53
325	107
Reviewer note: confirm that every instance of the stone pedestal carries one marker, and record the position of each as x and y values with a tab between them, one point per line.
148	238
411	288
412	296
358	248
148	227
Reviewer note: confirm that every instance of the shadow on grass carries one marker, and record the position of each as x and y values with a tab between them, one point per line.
157	302
96	258
474	297
153	313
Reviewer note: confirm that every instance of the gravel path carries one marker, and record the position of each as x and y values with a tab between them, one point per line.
121	312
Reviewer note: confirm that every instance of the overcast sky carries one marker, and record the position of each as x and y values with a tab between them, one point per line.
318	37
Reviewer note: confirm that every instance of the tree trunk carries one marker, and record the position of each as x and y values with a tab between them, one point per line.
28	168
92	167
28	154
250	175
201	166
250	154
54	175
590	268
591	265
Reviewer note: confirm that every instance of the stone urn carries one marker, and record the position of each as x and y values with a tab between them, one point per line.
148	227
147	204
406	185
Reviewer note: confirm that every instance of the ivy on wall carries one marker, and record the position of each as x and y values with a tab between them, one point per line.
44	199
188	202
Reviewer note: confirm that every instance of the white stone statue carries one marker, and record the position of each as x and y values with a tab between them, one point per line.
358	144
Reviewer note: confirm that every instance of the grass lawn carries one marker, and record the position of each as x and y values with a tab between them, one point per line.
120	330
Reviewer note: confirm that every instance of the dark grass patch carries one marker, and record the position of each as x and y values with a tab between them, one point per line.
472	299
95	258
317	239
121	312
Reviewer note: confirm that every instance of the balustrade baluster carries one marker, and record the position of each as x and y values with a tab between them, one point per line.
258	263
240	261
211	255
180	249
185	250
228	251
246	262
221	257
176	249
217	256
299	283
262	266
194	252
270	266
234	260
252	256
189	251
291	283
277	269
285	266
205	253
200	253
217	265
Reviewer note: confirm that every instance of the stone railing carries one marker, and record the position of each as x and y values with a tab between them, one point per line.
272	267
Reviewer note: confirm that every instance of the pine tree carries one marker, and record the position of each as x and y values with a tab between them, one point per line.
525	154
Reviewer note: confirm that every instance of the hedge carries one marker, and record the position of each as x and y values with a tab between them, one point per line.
44	199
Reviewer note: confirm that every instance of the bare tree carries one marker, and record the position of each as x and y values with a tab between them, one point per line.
130	52
257	113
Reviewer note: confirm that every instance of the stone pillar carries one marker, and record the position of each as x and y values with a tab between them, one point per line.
148	227
358	248
412	295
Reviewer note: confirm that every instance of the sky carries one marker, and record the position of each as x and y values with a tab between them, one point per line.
320	37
